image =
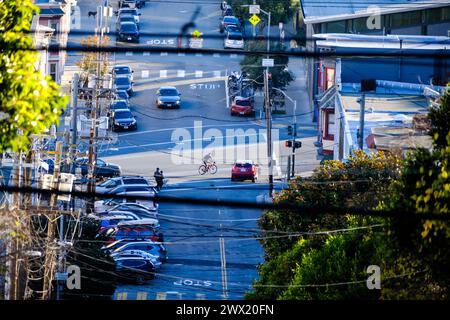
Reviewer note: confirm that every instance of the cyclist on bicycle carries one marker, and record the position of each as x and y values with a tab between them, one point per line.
207	159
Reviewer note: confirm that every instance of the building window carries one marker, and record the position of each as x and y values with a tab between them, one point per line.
330	126
360	25
52	71
400	20
438	15
336	27
330	74
54	37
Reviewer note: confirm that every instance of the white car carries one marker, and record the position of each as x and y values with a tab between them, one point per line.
137	254
233	38
109	204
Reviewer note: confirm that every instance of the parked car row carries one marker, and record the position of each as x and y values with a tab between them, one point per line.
119	111
128	20
130	229
232	28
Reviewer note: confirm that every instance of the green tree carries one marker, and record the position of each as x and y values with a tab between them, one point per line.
252	65
29	101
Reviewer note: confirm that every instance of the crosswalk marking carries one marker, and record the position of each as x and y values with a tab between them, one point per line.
216	55
163	73
217	73
181	73
181	54
233	55
198	54
129	53
145	73
198	73
164	54
141	296
146	53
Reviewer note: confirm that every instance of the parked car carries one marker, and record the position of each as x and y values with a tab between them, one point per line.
134	190
233	40
101	168
138	253
122	95
108	204
154	248
130	232
134	208
229	20
134	268
110	184
113	220
228	11
168	97
122	71
127	11
118	105
244	170
131	4
129	32
124	83
123	119
242	106
125	18
119	243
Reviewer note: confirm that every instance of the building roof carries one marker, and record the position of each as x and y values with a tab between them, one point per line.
393	42
51	12
388	120
316	11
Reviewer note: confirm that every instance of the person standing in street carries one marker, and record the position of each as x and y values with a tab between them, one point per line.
158	178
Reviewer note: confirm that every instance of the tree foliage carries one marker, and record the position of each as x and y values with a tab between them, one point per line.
88	63
252	65
280	10
412	254
29	101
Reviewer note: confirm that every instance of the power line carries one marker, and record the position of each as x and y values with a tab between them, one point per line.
301	209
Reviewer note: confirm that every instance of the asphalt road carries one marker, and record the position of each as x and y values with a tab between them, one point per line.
196	268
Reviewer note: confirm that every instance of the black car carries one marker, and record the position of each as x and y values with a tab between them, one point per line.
131	4
125	18
101	168
128	31
168	97
124	83
123	119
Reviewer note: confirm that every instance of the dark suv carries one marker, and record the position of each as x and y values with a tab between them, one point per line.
101	168
128	31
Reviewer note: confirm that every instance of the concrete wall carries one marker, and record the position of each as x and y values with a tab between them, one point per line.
440	29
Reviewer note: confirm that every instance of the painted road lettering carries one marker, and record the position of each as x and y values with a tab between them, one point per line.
195	283
159	42
207	86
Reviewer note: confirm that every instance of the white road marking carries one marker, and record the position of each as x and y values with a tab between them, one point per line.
129	53
181	54
252	123
217	73
198	73
164	54
145	73
198	54
163	73
233	55
216	55
181	73
146	53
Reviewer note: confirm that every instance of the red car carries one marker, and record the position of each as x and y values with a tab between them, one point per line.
244	170
242	106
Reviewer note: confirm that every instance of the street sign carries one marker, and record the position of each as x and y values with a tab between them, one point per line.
254	9
267	62
196	34
254	20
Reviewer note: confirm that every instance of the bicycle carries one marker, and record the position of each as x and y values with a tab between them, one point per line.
209	167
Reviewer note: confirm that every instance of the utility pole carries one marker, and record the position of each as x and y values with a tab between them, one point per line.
294	123
269	130
92	159
74	115
362	103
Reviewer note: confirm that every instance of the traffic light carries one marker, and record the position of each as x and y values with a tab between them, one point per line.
297	144
288	143
290	130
